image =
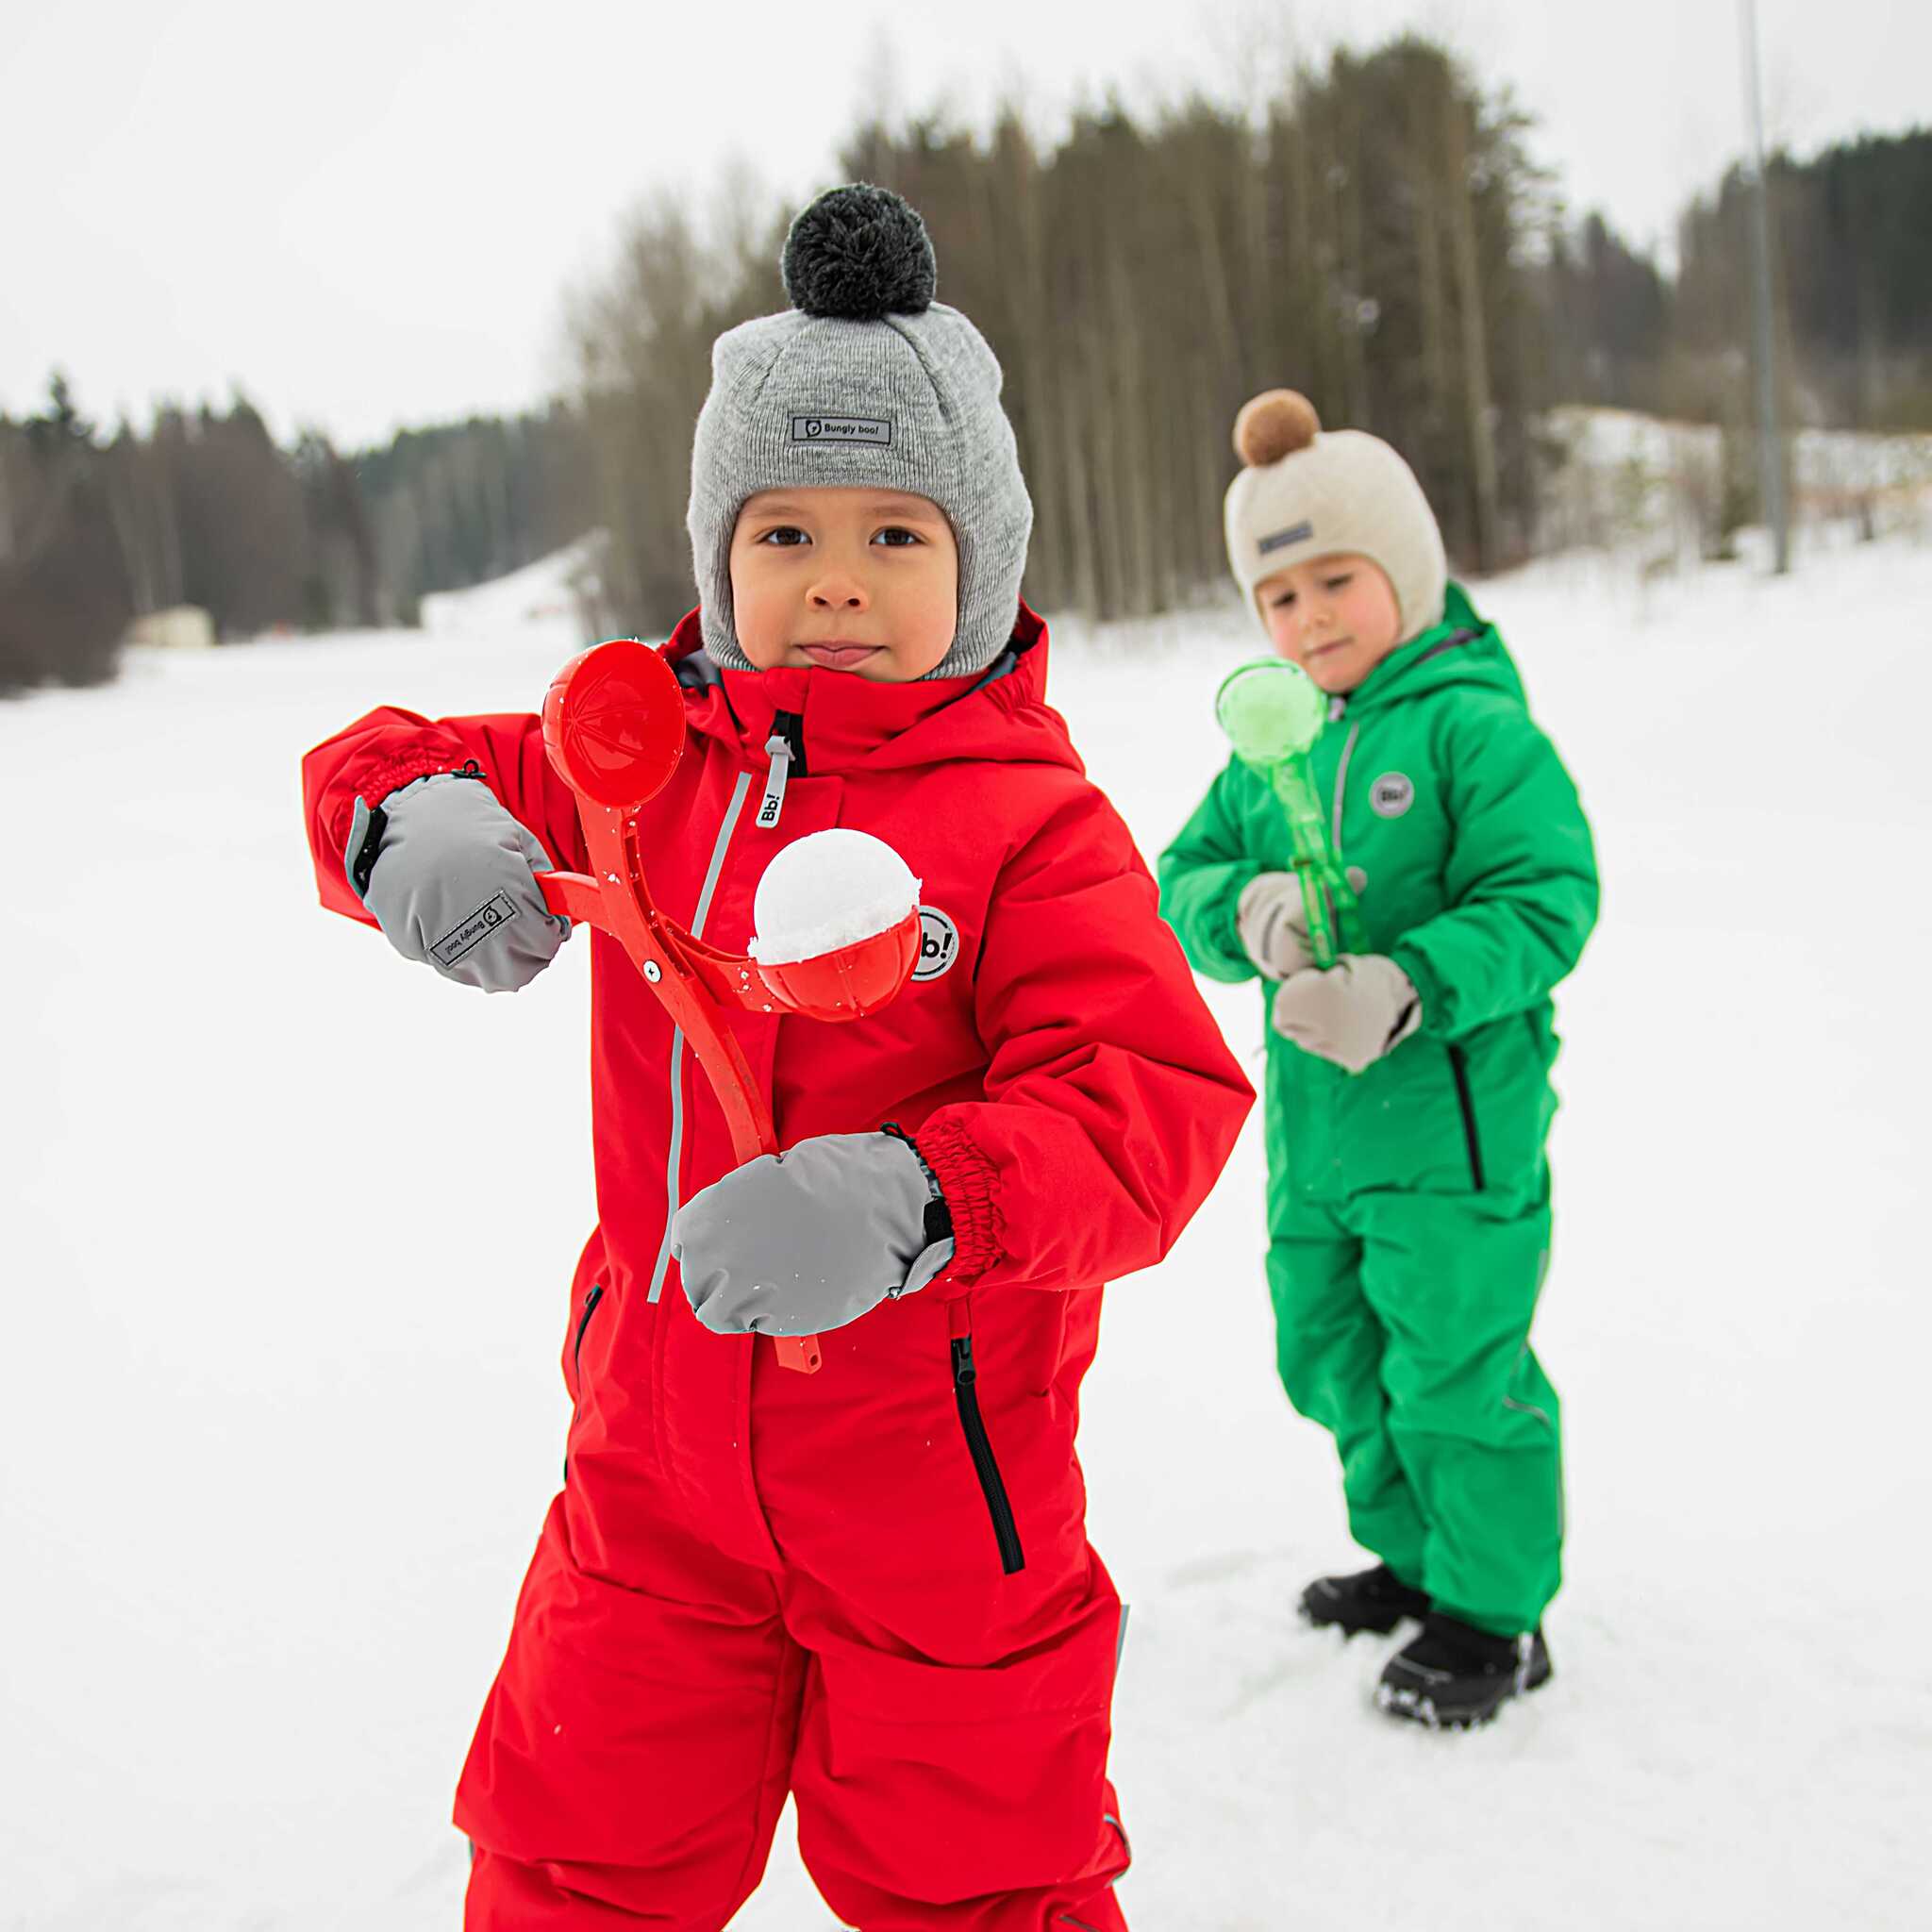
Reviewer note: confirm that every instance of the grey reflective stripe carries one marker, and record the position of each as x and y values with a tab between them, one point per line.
1543	1269
1530	1409
1355	731
774	801
1543	1416
697	932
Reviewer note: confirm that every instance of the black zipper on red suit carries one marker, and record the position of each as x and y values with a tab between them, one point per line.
590	1301
592	1296
979	1445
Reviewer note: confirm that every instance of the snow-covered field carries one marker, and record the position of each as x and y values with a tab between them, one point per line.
287	1225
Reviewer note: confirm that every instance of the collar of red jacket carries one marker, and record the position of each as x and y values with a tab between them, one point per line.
850	721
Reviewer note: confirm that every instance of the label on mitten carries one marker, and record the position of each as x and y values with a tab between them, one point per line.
468	934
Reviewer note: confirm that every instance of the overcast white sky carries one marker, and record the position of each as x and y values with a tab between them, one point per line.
367	212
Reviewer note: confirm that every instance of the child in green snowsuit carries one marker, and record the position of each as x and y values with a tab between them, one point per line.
1407	1094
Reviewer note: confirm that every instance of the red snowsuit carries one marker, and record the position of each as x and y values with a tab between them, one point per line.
755	1580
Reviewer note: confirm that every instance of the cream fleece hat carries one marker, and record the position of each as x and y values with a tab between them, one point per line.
1305	491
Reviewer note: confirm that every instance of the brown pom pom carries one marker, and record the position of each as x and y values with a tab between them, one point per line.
1274	425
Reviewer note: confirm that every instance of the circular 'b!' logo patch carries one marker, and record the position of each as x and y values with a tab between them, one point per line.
1392	794
938	943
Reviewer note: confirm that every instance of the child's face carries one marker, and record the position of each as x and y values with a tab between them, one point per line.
1335	616
864	581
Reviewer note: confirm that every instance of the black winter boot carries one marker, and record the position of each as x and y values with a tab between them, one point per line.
1373	1600
1455	1676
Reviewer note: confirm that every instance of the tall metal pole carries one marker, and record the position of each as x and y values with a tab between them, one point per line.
1770	466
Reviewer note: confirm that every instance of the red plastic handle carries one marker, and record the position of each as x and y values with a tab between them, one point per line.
613	727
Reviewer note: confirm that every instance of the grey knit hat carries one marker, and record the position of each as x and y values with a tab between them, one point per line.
866	381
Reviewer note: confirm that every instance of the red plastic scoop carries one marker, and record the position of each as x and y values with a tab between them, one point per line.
613	725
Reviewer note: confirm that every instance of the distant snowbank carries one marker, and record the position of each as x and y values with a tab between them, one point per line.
552	590
1668	490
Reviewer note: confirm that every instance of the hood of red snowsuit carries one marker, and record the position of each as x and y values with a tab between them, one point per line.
862	725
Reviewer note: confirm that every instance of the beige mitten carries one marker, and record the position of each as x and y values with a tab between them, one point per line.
1353	1013
1272	922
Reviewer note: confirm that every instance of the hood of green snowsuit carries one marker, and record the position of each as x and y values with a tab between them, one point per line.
1462	649
1471	856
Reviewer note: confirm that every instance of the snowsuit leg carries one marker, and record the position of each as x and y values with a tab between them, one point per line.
937	1799
1329	1348
951	1769
633	1757
942	1726
1454	1280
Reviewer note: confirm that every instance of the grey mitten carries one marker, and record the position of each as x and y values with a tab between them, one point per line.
1273	922
452	882
807	1240
1361	1008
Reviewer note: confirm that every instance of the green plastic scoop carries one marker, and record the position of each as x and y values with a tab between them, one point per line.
1273	712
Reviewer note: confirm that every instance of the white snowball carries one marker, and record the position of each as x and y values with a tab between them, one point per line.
826	891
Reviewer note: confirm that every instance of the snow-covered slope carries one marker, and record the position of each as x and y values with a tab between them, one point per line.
288	1224
540	596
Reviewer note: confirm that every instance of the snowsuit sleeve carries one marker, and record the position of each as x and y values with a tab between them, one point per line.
1521	878
388	748
1203	874
1111	1102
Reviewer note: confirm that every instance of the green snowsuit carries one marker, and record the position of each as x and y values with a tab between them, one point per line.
1409	1206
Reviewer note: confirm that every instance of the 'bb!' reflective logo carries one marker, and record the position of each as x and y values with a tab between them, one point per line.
938	943
1392	794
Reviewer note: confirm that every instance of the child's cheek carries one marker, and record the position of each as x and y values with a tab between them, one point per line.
758	618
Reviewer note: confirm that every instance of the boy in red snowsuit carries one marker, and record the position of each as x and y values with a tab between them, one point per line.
870	1587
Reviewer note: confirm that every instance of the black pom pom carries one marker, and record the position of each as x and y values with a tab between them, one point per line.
860	253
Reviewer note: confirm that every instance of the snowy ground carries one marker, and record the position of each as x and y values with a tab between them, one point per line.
287	1225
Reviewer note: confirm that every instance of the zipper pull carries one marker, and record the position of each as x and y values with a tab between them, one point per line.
964	1373
778	749
1336	707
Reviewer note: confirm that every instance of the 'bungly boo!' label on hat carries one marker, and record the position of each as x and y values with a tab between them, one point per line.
871	431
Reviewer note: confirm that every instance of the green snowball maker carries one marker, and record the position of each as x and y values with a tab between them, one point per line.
1273	711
